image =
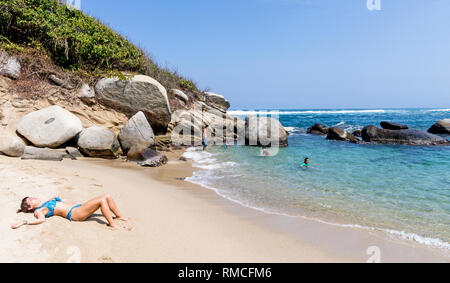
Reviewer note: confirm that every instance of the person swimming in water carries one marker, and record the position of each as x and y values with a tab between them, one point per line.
265	151
57	206
306	163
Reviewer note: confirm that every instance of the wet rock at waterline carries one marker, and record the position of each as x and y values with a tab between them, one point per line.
408	137
339	134
441	127
318	129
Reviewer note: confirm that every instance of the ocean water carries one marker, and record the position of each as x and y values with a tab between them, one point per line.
402	190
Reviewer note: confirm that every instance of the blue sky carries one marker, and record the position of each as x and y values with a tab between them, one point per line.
285	54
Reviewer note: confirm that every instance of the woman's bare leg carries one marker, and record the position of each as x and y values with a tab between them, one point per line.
90	207
113	206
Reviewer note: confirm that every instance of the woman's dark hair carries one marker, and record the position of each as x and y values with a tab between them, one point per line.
24	207
306	158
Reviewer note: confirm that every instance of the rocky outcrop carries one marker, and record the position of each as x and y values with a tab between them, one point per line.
339	134
11	145
99	142
43	154
137	131
9	66
49	127
317	129
140	93
180	95
217	101
146	157
441	127
265	131
408	137
186	126
393	126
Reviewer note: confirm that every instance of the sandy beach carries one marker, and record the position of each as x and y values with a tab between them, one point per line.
170	221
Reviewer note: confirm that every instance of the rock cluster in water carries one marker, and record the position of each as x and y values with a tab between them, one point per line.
390	133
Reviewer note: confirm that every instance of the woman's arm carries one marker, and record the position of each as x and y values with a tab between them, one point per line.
40	218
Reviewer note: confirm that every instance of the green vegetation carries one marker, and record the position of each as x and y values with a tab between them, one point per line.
75	42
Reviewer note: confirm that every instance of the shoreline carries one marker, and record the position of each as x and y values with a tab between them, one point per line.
173	221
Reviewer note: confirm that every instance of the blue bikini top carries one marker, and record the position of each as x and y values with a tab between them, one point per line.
51	206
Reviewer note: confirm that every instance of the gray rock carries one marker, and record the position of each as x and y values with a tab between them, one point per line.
441	127
73	152
60	82
181	95
137	131
393	126
339	134
146	157
265	131
140	93
49	127
217	101
408	137
99	142
318	129
11	145
43	154
86	94
9	66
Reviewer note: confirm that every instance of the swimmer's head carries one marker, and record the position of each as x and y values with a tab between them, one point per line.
306	160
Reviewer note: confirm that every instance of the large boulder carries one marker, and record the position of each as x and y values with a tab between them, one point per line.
49	127
140	93
393	126
146	157
11	145
408	137
180	95
137	131
339	134
318	129
217	101
9	66
441	127
99	142
43	154
265	131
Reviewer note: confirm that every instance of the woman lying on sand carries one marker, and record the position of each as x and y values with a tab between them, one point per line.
58	207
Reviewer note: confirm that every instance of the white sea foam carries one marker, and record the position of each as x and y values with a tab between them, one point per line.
276	112
438	110
294	130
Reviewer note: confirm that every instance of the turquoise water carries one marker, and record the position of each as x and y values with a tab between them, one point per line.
404	190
